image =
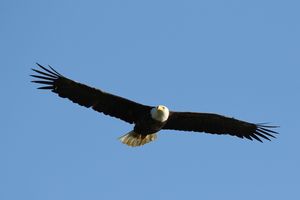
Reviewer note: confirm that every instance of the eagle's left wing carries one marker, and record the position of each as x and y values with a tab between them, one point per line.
218	124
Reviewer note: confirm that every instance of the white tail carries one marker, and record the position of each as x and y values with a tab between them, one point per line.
134	139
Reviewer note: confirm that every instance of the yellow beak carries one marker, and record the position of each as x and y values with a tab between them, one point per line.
160	108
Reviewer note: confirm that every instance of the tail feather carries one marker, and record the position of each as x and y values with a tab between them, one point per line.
134	139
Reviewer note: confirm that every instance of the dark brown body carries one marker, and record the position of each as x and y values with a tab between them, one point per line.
147	125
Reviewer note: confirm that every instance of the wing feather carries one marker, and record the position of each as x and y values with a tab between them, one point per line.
218	124
89	97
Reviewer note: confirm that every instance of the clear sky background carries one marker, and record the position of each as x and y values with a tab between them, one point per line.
236	58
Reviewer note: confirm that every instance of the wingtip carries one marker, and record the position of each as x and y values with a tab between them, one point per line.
256	137
38	64
54	70
264	131
46	88
49	74
45	77
263	136
266	125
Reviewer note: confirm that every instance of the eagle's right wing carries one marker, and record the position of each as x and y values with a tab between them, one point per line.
84	95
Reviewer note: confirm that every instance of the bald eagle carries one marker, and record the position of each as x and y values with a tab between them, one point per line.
147	120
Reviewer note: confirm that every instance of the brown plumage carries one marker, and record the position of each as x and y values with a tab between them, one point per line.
147	119
218	124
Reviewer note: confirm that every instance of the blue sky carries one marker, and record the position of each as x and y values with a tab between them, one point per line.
236	58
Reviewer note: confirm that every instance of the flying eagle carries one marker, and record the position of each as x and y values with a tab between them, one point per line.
147	120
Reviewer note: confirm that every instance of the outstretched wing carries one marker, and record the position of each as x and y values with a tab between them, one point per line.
84	95
218	124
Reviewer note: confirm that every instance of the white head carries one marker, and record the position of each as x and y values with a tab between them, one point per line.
160	113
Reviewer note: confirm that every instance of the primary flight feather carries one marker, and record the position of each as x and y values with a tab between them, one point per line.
147	120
